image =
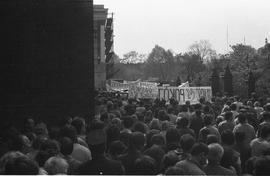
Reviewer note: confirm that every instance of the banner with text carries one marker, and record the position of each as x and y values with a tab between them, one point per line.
183	94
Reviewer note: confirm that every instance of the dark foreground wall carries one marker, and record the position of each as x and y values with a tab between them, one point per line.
46	49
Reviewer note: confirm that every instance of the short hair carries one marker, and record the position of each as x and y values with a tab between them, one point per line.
262	166
170	159
137	140
174	171
117	148
182	122
56	165
21	166
199	148
8	157
215	153
78	123
265	131
184	108
211	138
139	126
157	139
228	115
227	137
155	124
266	115
207	120
51	146
186	142
69	131
127	121
145	165
172	135
66	146
242	118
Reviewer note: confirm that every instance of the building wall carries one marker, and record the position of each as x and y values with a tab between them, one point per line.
100	16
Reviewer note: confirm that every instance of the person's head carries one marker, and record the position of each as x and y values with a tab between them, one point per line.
66	146
227	137
148	116
186	142
242	118
206	109
207	120
215	153
29	124
79	124
257	104
199	152
50	146
161	115
172	136
7	157
56	165
105	117
117	148
145	165
137	141
70	132
158	139
156	153
266	116
182	122
265	132
205	132
211	138
267	106
41	129
155	124
170	159
21	166
250	165
174	171
139	126
262	166
228	116
117	123
127	122
198	113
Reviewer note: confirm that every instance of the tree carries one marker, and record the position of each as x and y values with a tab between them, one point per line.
203	49
160	63
192	66
133	57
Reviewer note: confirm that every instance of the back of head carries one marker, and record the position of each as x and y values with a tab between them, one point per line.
199	148
56	165
137	140
182	122
21	166
128	121
7	157
50	146
267	106
70	132
265	131
113	134
227	137
242	118
186	142
215	153
66	146
266	116
139	126
79	124
155	124
158	139
233	107
262	166
145	165
228	115
172	136
170	159
211	138
117	148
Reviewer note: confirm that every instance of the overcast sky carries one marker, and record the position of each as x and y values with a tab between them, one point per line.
175	24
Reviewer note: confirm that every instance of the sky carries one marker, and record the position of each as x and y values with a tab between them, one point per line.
176	24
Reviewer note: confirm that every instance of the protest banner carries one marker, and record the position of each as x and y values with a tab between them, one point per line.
138	91
183	94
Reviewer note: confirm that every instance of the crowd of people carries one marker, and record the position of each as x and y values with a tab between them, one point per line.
224	136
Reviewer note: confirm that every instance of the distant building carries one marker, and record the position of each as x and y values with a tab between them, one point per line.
101	50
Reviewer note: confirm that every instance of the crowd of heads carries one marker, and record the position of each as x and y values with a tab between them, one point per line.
224	136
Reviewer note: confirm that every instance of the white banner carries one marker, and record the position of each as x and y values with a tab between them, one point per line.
183	94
